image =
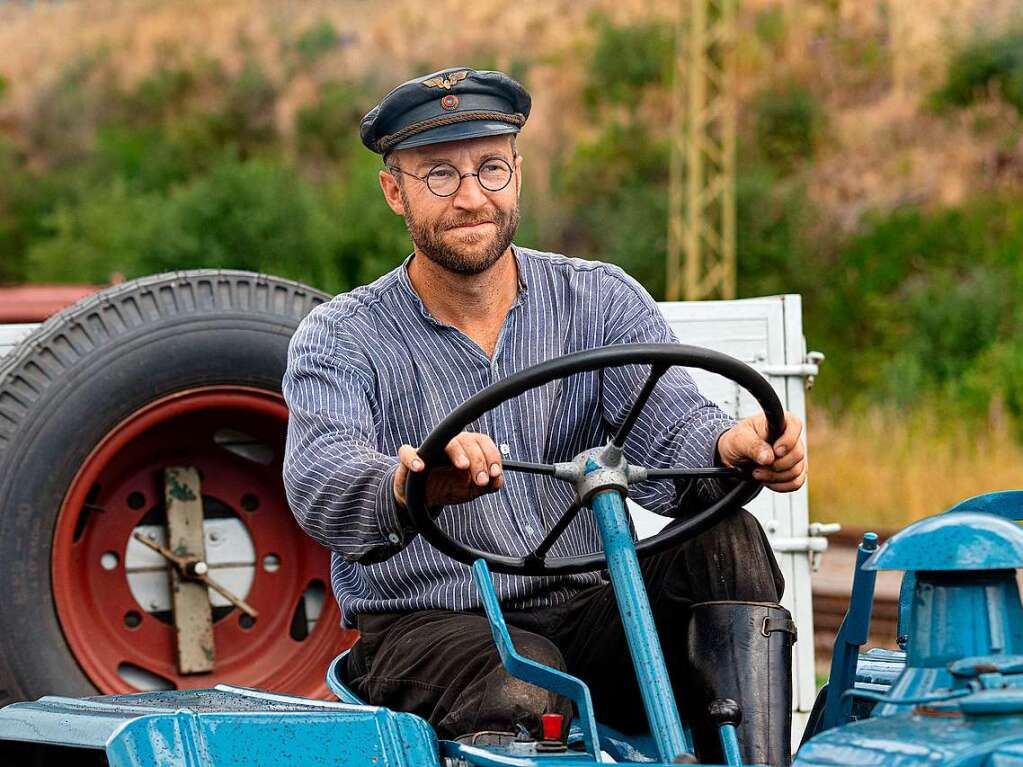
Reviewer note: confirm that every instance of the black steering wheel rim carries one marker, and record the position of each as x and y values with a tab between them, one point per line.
664	355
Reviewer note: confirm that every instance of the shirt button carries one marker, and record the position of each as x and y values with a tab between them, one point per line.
393	537
505	449
529	529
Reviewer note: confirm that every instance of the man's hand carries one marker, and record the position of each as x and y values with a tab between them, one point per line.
781	467
475	471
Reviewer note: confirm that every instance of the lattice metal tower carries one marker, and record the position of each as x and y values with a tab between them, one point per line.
701	205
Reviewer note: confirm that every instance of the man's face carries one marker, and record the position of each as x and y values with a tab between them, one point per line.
468	231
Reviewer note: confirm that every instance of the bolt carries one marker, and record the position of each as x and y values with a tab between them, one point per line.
214	536
199	568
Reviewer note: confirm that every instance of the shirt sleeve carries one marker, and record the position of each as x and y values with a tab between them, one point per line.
678	426
339	486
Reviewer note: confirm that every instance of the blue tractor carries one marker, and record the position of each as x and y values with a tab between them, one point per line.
953	696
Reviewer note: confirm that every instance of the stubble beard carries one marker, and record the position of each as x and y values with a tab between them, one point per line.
475	253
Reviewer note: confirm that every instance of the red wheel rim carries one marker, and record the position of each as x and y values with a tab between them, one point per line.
111	635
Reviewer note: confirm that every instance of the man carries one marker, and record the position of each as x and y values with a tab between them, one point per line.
373	371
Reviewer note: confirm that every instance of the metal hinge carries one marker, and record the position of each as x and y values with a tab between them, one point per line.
814	544
808	368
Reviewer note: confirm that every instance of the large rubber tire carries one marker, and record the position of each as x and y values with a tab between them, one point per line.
73	380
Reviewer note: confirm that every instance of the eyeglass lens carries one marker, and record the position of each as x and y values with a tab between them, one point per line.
493	175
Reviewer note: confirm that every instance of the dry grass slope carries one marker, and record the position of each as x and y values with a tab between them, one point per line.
884	470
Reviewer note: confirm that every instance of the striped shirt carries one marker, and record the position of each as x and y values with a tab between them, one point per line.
372	369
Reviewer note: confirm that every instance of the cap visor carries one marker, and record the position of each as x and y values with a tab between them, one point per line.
457	132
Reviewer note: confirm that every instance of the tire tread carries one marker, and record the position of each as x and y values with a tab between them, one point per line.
100	319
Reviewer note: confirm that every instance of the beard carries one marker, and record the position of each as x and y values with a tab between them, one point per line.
471	253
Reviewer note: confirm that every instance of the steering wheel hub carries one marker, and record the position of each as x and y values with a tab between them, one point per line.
598	469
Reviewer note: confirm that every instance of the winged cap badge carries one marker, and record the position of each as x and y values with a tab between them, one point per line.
446	82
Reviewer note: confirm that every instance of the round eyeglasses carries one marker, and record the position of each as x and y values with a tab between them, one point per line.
444	179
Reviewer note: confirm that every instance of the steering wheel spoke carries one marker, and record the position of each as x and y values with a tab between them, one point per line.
642	474
656	371
540	552
569	472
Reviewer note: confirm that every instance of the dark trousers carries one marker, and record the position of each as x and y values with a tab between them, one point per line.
443	665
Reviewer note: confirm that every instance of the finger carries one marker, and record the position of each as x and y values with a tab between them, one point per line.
787	441
769	477
755	449
410	458
491	454
493	485
398	488
788	487
456	452
791	458
478	469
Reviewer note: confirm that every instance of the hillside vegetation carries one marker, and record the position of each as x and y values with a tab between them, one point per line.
880	175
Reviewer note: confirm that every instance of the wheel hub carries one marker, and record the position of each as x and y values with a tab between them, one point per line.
112	593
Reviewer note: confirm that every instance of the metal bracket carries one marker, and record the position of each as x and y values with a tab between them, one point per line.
813	544
193	614
808	368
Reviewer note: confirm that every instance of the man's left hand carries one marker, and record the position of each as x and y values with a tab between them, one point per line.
782	466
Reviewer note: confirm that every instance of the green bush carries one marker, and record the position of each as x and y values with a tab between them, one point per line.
246	118
259	215
996	377
769	25
372	239
774	222
61	122
164	94
108	231
252	215
911	305
787	124
613	192
324	129
317	40
985	64
627	59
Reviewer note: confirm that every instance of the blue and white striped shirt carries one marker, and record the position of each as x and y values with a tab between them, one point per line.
371	370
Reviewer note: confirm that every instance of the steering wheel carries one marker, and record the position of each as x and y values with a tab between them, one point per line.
597	469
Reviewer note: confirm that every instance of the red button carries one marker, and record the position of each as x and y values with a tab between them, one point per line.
552	726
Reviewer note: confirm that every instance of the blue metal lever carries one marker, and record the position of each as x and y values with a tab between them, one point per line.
730	745
853	633
640	631
529	670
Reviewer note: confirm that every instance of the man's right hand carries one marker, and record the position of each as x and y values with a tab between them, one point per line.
475	470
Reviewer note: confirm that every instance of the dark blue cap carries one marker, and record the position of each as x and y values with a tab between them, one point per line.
453	104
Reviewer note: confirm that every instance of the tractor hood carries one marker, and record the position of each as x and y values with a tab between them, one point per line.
225	726
988	734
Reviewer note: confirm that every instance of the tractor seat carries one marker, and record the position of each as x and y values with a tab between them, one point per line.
336	680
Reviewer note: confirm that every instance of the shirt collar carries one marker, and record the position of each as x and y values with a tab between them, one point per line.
521	263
